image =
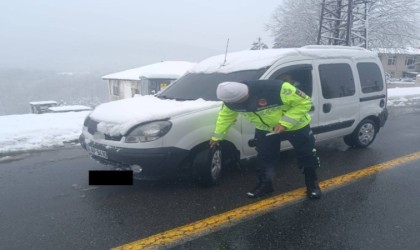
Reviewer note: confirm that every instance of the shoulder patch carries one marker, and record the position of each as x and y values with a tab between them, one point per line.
287	91
262	102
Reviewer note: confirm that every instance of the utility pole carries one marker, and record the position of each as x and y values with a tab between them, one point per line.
343	22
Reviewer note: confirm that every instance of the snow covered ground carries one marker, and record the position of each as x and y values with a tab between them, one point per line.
29	132
35	131
399	97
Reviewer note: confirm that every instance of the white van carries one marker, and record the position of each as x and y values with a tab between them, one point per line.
157	136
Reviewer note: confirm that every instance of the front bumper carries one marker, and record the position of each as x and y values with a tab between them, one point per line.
156	163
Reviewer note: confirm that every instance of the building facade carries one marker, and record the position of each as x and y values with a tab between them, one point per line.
400	63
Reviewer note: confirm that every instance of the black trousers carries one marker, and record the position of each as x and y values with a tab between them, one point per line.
268	149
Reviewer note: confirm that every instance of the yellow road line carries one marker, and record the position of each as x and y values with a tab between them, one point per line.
231	217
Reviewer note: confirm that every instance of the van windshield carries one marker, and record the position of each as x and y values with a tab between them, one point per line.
200	85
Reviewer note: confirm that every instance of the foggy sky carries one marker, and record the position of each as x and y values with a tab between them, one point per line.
85	35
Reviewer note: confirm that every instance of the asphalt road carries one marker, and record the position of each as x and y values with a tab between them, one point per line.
46	202
378	212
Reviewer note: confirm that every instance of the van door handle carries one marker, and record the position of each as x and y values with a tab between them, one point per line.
326	107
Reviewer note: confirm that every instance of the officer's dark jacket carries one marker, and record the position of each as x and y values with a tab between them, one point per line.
270	103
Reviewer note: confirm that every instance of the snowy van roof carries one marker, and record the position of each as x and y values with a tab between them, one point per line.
165	69
258	59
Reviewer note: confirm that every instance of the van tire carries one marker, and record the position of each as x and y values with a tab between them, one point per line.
363	135
207	166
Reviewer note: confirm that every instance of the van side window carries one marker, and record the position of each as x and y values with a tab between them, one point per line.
299	76
370	77
336	80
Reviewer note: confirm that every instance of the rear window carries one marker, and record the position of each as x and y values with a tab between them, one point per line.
370	77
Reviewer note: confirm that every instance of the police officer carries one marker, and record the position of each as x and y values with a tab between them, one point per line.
279	112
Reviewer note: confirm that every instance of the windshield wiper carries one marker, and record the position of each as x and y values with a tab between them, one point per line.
175	98
185	99
163	97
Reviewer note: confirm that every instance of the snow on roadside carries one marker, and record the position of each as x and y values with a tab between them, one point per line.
400	97
32	131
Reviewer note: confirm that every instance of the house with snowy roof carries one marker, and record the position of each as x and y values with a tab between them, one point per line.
400	63
145	80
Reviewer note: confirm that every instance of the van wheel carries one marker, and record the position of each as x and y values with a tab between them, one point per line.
207	166
363	135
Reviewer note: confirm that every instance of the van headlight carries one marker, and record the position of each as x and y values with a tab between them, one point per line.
148	132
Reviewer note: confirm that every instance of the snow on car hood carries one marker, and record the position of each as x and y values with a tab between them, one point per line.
117	117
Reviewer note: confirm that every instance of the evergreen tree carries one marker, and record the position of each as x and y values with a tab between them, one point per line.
259	45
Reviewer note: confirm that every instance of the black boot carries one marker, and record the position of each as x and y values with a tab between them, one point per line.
311	180
261	189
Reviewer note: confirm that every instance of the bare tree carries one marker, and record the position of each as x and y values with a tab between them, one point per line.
394	23
391	23
294	23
